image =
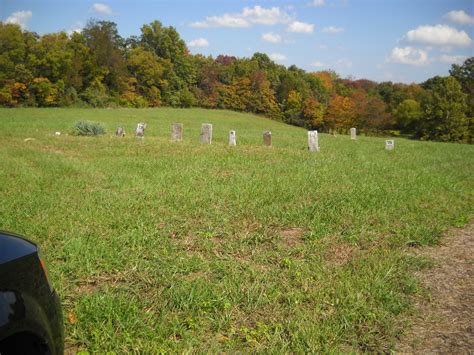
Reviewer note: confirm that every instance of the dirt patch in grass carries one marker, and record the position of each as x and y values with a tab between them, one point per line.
444	324
291	237
93	283
338	254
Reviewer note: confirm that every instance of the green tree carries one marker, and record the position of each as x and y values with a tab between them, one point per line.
408	115
107	47
443	109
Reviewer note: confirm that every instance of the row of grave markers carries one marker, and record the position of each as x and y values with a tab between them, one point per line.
206	136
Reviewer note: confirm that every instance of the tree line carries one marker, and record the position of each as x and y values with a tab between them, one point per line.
99	68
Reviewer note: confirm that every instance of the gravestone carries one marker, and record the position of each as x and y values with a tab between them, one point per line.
206	133
267	138
176	132
313	142
232	141
353	133
140	131
120	132
389	144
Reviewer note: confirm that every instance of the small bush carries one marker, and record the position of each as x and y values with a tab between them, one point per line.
87	128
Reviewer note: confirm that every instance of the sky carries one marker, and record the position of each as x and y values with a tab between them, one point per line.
381	40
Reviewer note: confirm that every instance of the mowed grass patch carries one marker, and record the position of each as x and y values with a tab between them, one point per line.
160	246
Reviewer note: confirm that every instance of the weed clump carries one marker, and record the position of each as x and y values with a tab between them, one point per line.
87	128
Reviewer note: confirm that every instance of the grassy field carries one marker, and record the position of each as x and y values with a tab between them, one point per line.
160	246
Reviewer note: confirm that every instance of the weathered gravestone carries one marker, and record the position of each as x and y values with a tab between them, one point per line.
120	132
267	138
206	133
389	144
140	131
176	132
232	141
313	142
353	133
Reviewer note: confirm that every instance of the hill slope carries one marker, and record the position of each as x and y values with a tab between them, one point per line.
167	246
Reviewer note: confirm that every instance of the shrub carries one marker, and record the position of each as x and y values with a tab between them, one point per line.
87	128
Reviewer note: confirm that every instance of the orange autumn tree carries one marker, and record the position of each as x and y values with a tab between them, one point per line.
340	114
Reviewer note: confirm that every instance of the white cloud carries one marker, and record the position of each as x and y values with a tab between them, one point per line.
318	64
199	43
271	37
439	35
343	63
260	15
102	9
459	17
19	18
332	29
278	57
452	59
74	30
249	16
317	3
409	55
300	27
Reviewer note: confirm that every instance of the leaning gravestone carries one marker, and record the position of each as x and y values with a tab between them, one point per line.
232	141
313	142
176	132
140	131
353	133
267	138
206	133
120	132
389	144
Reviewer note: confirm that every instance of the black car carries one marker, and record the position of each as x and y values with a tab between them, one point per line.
30	311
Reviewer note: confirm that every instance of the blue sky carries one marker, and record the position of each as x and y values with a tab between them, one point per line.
396	40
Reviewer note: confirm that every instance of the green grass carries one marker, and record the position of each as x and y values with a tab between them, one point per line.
159	246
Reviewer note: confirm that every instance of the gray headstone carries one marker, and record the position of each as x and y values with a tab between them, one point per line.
267	138
176	132
353	133
120	132
390	144
232	141
140	131
206	133
313	142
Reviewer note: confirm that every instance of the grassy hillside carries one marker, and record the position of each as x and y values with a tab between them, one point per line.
160	246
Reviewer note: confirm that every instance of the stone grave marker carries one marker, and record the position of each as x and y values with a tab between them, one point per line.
206	133
232	141
353	133
176	132
313	142
390	144
267	139
120	132
140	131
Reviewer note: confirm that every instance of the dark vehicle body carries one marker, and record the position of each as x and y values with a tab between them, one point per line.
30	311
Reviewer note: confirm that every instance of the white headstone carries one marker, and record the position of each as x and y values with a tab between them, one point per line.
176	132
206	133
140	131
389	144
232	141
313	142
353	133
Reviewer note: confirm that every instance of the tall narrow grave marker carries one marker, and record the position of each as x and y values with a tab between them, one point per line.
232	141
176	132
206	133
267	138
313	142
